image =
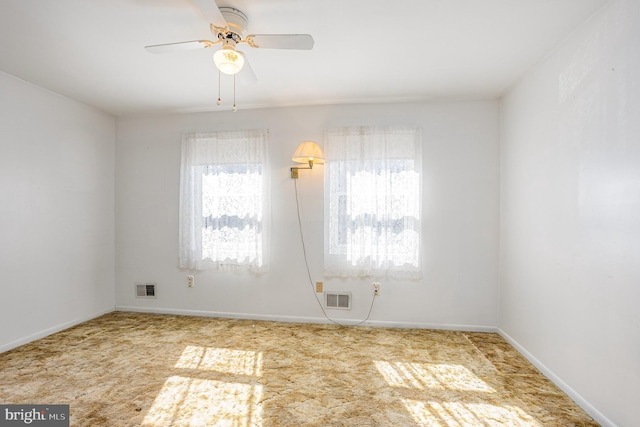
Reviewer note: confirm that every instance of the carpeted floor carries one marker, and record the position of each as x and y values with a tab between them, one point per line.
129	369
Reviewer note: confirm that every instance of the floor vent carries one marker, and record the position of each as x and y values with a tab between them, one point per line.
146	290
341	300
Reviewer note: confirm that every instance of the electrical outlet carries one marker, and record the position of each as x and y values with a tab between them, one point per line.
319	286
376	288
191	281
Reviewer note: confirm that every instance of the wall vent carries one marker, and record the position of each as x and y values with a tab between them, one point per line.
145	290
341	300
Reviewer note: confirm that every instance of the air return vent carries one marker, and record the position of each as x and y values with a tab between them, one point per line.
341	300
146	290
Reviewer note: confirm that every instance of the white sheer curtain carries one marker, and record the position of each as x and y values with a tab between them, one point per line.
373	202
224	199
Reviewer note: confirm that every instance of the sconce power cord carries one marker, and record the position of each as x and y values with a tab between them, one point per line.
306	263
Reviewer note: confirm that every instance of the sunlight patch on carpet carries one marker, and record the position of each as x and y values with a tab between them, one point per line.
193	400
230	361
460	414
466	399
434	376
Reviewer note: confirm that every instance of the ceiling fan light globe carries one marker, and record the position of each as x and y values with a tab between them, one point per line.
228	61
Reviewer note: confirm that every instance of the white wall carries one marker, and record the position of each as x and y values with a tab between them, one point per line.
570	215
56	212
459	288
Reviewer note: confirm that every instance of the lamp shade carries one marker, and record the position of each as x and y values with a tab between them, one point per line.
228	60
308	152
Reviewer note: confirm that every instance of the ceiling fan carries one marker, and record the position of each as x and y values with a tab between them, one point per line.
229	26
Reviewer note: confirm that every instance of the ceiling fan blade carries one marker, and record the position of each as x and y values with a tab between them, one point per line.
210	11
246	75
281	41
179	46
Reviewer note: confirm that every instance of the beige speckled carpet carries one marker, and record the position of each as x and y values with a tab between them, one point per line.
128	369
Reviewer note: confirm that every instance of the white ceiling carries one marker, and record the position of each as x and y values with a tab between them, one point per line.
365	50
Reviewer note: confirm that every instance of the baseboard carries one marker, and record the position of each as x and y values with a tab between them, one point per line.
574	395
52	330
300	319
437	326
221	314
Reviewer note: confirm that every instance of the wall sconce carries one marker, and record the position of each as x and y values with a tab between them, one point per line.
307	152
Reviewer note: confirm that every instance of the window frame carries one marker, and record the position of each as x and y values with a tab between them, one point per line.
202	154
343	161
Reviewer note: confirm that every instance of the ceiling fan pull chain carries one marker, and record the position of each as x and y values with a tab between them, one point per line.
234	108
219	100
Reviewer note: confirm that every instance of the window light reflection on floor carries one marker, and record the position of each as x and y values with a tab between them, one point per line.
461	414
201	396
467	402
434	376
239	362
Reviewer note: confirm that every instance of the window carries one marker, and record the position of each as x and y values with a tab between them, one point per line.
373	207
224	201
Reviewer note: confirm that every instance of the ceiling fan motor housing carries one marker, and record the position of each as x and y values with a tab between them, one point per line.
236	24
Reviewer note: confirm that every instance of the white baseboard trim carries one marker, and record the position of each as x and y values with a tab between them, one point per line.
52	330
300	319
221	314
436	326
574	395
